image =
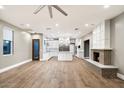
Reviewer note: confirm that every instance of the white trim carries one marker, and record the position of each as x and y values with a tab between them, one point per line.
43	59
121	76
13	66
46	59
7	55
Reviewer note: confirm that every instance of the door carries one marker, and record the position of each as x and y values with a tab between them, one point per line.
86	48
35	49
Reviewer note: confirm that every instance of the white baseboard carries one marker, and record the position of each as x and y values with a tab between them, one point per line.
13	66
121	76
45	59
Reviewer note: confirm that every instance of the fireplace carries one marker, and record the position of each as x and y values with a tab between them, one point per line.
96	56
102	56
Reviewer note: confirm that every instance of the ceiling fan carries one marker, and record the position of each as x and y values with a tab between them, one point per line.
50	9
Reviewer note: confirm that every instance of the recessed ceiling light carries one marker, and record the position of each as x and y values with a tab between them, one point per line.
86	25
57	24
106	6
33	32
28	25
1	7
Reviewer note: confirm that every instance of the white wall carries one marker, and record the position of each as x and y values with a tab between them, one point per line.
79	50
117	43
7	33
22	46
101	35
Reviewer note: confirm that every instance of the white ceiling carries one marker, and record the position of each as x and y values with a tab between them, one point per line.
78	16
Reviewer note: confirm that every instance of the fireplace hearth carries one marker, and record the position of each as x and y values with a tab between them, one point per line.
101	63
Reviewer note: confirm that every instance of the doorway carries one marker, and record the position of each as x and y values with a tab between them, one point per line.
35	49
86	48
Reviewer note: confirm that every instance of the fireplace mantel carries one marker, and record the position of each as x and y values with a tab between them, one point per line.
107	49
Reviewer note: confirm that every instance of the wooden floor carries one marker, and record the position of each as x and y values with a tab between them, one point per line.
54	74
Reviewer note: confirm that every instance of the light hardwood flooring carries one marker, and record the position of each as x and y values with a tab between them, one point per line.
55	74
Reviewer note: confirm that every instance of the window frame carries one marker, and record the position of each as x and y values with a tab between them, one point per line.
12	42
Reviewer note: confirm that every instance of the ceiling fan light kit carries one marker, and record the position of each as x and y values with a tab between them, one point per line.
50	9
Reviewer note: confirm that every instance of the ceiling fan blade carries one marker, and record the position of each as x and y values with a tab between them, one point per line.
50	11
39	8
59	9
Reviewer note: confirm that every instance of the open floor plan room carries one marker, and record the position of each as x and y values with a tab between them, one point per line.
52	73
61	46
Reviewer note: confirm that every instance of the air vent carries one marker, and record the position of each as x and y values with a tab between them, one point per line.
48	28
76	28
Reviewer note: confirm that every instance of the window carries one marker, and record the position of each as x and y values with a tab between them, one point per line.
7	47
7	41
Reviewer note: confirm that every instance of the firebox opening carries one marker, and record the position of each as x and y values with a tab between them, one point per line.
96	56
